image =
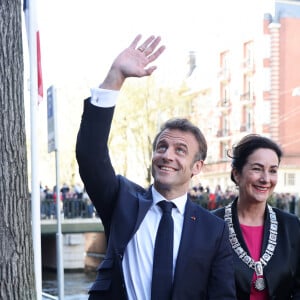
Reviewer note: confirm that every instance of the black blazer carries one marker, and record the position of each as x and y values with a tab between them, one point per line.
282	273
204	267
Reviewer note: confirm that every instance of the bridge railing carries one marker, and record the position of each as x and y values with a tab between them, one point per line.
71	208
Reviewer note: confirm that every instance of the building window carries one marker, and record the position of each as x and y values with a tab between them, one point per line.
289	179
248	55
265	112
248	87
224	61
249	119
225	126
224	149
224	73
225	95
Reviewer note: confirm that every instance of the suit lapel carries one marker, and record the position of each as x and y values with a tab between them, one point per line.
145	201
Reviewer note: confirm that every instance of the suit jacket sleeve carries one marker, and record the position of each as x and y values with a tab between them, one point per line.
92	155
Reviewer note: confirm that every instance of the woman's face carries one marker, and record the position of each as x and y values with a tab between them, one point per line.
259	175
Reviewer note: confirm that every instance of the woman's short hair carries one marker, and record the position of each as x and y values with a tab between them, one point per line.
186	126
246	146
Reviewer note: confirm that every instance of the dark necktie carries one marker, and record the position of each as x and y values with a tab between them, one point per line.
162	274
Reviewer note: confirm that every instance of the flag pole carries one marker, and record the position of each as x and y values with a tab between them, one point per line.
35	184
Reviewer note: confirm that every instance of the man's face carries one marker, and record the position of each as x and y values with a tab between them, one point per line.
173	161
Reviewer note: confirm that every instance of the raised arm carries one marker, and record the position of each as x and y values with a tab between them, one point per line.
96	170
133	62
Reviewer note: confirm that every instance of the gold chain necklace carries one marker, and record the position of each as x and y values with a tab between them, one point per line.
257	266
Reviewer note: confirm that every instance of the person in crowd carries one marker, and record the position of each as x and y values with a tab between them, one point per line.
43	202
292	204
78	190
65	190
265	240
197	259
211	201
88	205
219	196
197	194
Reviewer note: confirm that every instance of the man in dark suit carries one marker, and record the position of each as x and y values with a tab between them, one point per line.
202	258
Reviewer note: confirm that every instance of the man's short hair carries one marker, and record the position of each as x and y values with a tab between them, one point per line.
186	126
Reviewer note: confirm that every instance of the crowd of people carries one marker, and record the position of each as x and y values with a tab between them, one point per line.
212	200
77	204
74	202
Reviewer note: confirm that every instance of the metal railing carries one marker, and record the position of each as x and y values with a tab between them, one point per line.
71	208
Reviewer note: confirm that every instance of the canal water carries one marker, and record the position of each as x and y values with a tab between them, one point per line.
76	284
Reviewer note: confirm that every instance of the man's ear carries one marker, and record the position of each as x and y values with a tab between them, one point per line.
197	167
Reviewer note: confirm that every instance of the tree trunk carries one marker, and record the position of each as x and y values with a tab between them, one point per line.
16	251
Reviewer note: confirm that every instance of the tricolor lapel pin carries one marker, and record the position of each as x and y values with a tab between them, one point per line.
193	218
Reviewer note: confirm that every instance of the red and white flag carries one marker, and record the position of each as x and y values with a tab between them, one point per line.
26	9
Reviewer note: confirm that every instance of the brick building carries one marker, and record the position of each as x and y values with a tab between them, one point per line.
253	90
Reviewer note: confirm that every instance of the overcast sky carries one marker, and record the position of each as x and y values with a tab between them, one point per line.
80	38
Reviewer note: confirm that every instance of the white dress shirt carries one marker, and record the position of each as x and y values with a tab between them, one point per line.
138	256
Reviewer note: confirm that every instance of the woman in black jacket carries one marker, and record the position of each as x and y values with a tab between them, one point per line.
265	240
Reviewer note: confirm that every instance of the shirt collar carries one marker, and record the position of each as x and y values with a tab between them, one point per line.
179	202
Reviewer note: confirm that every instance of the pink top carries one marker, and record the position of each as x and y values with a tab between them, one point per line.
253	236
